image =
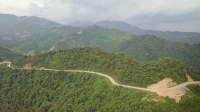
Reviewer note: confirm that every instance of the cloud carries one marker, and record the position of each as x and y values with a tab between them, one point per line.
145	13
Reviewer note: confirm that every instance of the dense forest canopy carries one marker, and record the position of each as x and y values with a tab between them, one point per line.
35	90
122	67
8	54
148	47
1	59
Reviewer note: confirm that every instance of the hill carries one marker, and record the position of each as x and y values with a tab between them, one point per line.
174	36
13	29
41	41
68	37
123	68
119	25
148	48
32	90
143	48
81	24
90	36
23	24
7	54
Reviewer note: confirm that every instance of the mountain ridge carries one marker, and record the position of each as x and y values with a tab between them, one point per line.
122	67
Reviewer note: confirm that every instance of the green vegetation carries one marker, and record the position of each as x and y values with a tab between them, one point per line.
23	25
192	100
187	37
123	68
34	90
148	48
195	89
1	59
174	36
8	54
143	48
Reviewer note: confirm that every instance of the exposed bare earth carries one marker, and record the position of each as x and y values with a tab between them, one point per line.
173	93
189	79
165	83
80	32
162	88
27	66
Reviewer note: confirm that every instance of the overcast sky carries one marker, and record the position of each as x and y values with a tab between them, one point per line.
173	15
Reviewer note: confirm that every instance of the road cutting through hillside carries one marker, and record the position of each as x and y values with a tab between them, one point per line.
180	86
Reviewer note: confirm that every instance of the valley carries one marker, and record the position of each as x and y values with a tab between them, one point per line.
101	66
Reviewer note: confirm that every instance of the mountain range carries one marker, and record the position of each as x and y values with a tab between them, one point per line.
41	51
175	36
52	36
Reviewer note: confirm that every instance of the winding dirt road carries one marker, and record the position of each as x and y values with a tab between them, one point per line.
180	86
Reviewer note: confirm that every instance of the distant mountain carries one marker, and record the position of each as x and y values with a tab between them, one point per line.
7	54
90	36
175	36
144	48
11	24
123	26
14	29
81	24
40	41
188	37
149	47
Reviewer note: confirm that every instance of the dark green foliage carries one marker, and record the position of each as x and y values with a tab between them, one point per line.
188	37
84	37
143	48
123	68
175	36
8	54
195	89
34	90
148	48
1	59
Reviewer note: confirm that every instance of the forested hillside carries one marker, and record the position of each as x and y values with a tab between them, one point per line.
41	41
68	37
1	59
11	24
123	68
148	48
91	36
34	90
144	48
8	54
174	36
32	35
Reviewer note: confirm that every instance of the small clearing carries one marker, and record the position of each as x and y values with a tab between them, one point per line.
27	66
175	94
80	32
189	79
165	83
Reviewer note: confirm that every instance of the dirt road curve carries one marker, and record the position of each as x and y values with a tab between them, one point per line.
115	83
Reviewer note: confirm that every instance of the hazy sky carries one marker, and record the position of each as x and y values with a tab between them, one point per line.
176	15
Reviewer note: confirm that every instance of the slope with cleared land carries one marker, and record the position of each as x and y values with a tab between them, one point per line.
122	67
162	88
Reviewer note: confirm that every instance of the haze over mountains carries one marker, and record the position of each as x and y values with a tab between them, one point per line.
189	37
31	35
130	55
